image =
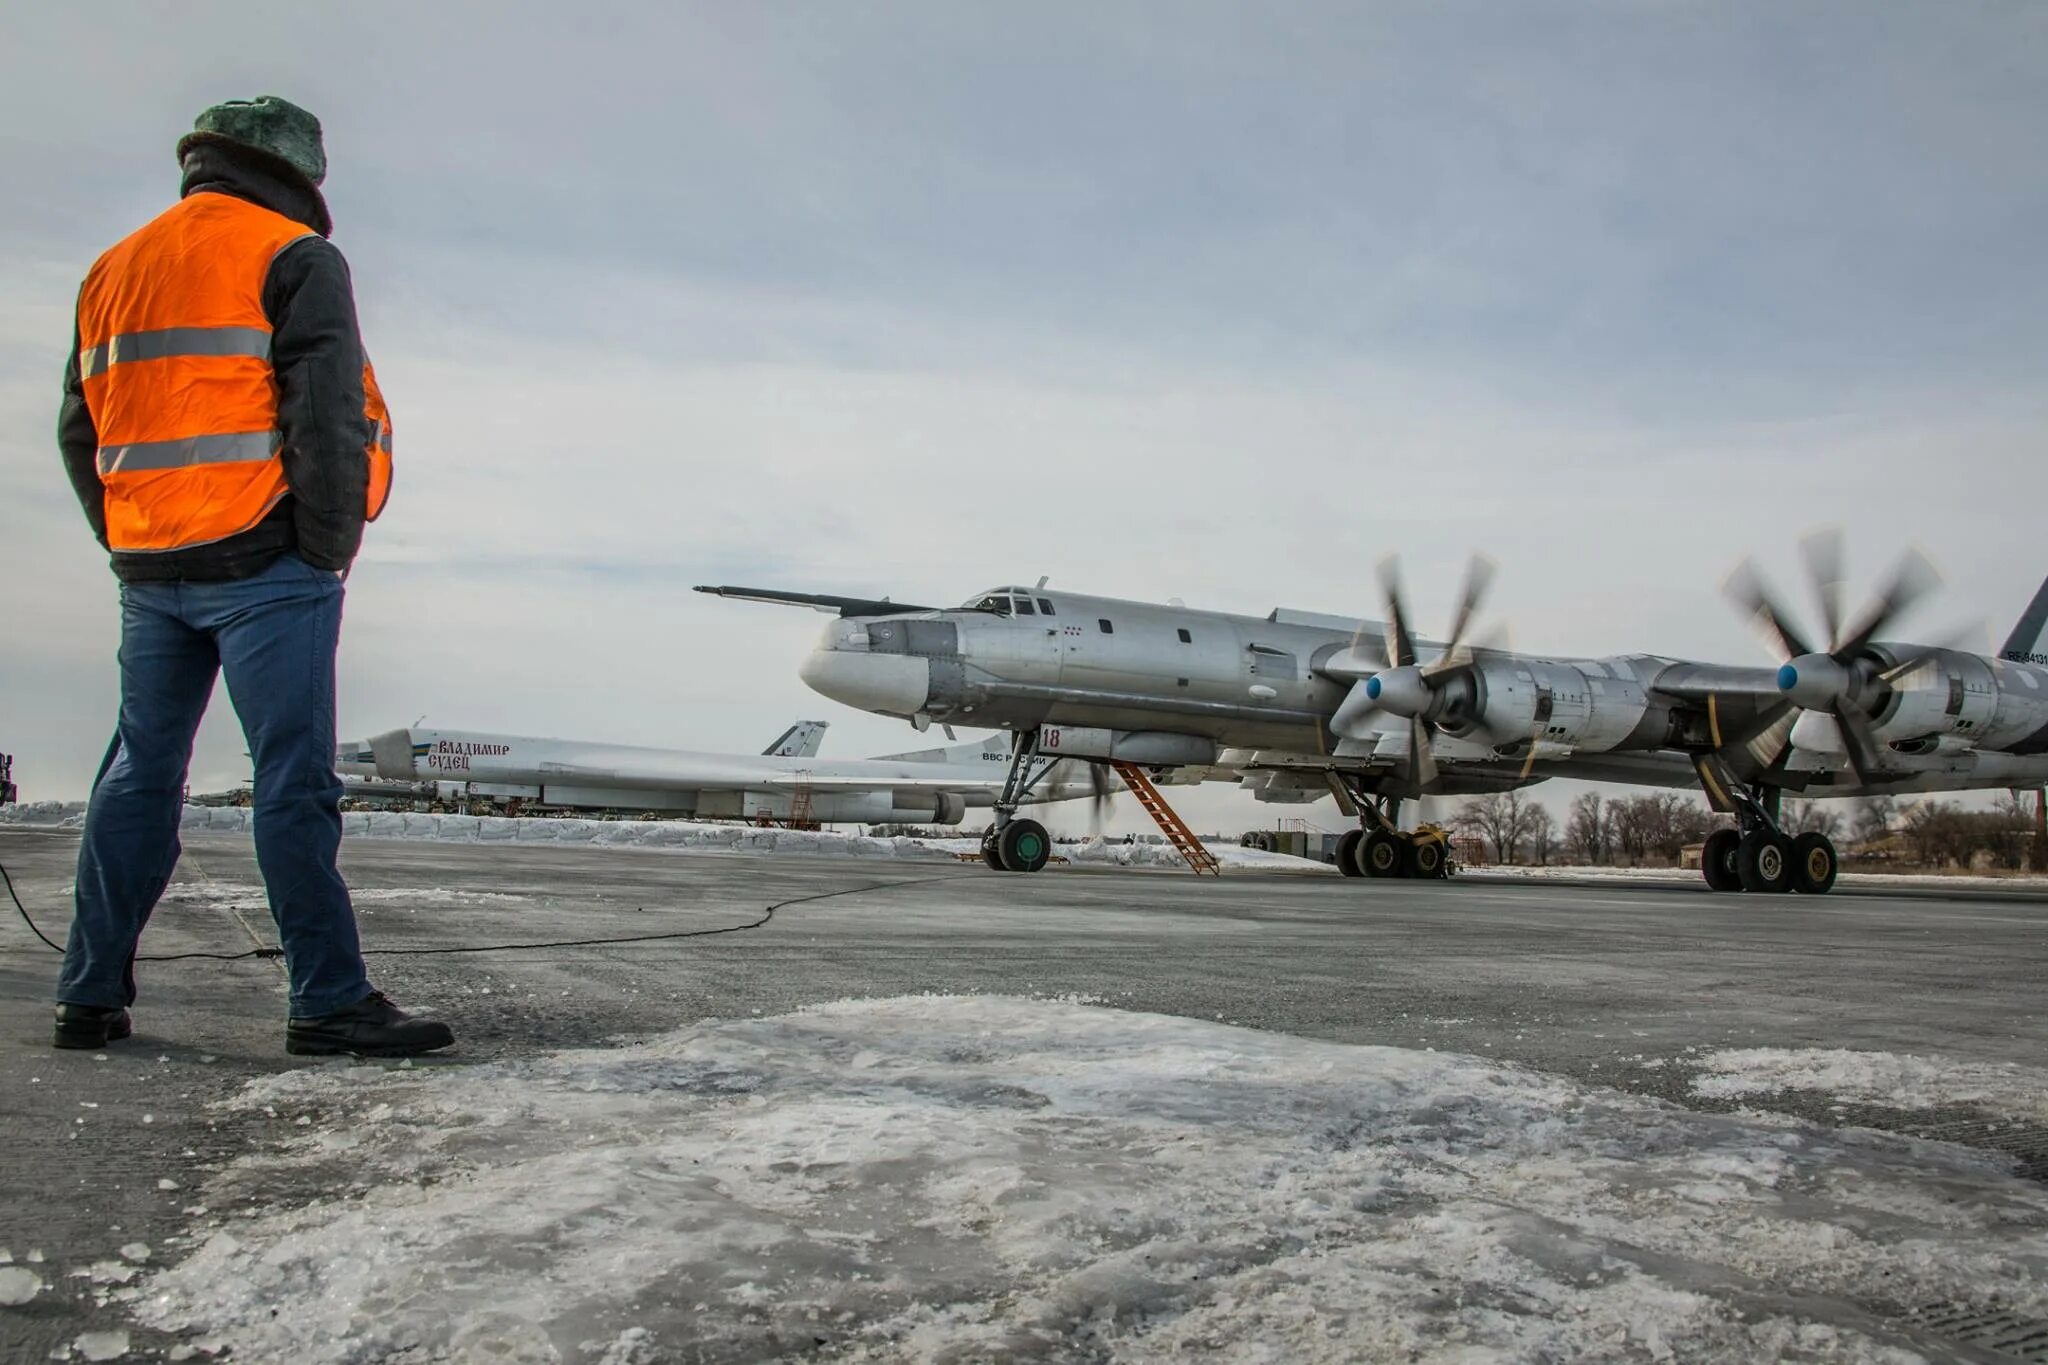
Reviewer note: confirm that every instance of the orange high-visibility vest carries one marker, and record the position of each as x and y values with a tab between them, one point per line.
174	352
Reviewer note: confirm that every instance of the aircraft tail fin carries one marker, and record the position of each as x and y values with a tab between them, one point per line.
800	740
2028	643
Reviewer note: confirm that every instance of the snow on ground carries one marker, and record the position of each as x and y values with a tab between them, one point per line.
1898	1080
952	1178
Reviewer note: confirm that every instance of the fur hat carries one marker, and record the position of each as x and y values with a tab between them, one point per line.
276	127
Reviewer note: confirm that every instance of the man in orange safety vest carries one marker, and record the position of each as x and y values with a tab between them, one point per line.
227	440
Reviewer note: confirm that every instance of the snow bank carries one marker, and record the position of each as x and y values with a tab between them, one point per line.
950	1178
666	834
1164	855
690	834
67	814
1899	1080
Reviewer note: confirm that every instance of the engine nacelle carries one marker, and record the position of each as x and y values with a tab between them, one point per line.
1557	707
870	808
1950	693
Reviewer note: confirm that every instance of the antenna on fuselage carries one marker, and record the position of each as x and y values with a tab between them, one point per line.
1043	579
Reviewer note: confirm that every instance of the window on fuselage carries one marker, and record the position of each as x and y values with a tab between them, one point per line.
1024	607
1107	628
1185	638
1045	606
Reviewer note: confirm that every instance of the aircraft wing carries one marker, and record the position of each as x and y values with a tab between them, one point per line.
1697	682
825	602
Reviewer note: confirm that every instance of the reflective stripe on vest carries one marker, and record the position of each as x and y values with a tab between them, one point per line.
173	341
243	445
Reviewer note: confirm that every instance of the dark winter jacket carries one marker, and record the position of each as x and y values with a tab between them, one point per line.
317	355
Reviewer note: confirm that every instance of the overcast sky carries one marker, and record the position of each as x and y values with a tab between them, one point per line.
1218	302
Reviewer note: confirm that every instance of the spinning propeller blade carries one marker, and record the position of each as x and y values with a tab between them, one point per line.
1840	680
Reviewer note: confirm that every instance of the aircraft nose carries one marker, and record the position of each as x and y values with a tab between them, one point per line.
890	684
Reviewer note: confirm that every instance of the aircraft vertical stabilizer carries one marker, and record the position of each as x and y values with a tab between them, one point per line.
800	740
2026	644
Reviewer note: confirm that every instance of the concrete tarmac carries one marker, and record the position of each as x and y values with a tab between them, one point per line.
1613	985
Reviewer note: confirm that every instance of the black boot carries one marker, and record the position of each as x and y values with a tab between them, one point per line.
372	1027
91	1026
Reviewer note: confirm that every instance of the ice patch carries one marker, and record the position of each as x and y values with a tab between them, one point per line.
247	896
977	1178
1899	1080
18	1286
101	1345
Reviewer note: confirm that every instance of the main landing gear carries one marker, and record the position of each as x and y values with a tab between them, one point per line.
1759	856
1011	844
1381	848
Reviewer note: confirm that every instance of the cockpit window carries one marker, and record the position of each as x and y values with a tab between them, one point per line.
999	605
1045	606
1024	607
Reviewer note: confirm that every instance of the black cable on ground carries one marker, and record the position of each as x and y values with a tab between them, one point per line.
153	957
766	915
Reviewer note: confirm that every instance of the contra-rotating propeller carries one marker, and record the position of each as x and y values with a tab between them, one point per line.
1846	680
1407	687
1100	796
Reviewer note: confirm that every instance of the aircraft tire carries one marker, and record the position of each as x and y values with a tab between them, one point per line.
990	854
1717	860
1426	859
1347	852
1764	860
1380	855
1814	864
1023	846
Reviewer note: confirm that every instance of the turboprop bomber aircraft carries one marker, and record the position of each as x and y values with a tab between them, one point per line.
1298	705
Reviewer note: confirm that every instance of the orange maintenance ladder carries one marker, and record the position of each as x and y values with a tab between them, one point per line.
1177	833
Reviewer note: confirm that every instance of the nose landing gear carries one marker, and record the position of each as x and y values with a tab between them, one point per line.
1011	844
1020	846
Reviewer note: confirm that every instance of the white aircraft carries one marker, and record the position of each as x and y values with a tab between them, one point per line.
1298	705
784	783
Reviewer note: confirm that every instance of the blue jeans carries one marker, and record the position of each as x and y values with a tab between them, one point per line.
274	635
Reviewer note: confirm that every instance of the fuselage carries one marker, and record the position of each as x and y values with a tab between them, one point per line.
1164	684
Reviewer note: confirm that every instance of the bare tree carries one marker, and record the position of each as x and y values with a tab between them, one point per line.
2008	829
1541	833
1501	819
1659	823
1586	832
1811	817
1628	827
1875	816
1934	827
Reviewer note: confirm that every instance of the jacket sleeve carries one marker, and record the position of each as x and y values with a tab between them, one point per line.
79	439
317	355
